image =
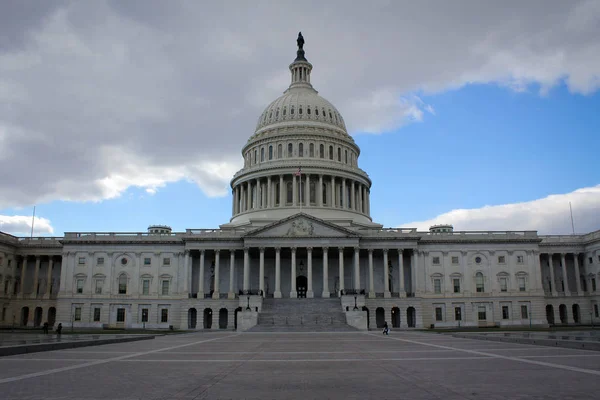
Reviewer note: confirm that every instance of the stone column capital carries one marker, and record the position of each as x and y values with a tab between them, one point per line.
261	249
341	249
217	251
357	248
385	251
293	249
370	252
325	249
202	252
309	249
246	249
277	249
401	251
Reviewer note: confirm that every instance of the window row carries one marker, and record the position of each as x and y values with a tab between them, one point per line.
503	282
300	111
145	312
122	285
482	312
436	260
330	152
124	261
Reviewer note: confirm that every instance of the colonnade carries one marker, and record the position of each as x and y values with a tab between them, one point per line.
552	283
325	251
14	284
316	190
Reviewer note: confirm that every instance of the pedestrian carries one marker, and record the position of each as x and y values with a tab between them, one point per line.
45	328
386	329
59	329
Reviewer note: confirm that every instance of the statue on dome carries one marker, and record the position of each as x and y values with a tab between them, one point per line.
300	41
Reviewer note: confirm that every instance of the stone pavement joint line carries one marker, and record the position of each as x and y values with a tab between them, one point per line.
104	361
483	353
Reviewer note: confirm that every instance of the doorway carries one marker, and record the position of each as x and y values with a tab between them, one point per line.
192	318
550	314
37	316
411	317
301	286
379	317
395	317
207	318
576	317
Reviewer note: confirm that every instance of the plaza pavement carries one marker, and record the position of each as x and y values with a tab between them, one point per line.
229	365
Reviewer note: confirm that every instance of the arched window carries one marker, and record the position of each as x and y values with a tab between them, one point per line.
479	282
313	195
289	197
255	156
290	150
277	114
301	150
292	110
321	151
123	284
311	150
308	110
270	115
330	116
316	111
262	154
346	156
284	111
331	152
339	154
324	114
279	151
270	152
299	110
324	191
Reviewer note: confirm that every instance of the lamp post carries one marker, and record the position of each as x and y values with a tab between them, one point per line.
248	306
355	306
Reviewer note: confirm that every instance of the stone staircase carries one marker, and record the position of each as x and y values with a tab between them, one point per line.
302	315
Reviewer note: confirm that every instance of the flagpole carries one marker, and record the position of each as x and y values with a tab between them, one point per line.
32	222
572	224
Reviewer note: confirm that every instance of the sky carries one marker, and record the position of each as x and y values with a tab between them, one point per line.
117	115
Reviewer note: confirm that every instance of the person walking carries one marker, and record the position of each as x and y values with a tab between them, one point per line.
386	329
59	329
45	328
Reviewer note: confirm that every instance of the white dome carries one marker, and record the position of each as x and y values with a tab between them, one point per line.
300	104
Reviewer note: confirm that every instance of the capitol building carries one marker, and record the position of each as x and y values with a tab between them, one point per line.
300	252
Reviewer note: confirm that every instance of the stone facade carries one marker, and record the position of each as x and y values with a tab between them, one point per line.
300	228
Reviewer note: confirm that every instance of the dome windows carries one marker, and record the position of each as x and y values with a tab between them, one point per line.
290	150
284	111
301	150
262	154
339	151
279	150
331	152
299	110
292	110
270	153
311	150
316	111
308	110
321	150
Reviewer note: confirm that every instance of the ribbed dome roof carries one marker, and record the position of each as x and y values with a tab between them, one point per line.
300	104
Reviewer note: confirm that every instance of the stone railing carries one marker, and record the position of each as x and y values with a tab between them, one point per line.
305	162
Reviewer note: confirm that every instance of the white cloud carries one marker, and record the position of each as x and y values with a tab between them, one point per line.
21	225
175	90
550	215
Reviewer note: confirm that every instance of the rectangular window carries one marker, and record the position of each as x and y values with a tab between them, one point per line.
81	260
77	316
437	285
144	315
146	286
96	314
455	260
524	312
522	286
120	315
166	261
147	261
503	284
590	260
593	284
99	285
457	314
501	260
519	259
596	310
79	285
164	315
436	260
456	284
505	314
481	313
3	313
165	288
438	314
100	261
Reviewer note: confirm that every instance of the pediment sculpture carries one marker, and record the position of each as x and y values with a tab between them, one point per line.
301	228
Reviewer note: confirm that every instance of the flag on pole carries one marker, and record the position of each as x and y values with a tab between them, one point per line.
299	172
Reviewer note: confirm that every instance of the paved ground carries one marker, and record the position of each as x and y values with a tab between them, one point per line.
222	365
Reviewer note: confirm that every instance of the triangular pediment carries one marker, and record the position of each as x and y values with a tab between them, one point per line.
301	225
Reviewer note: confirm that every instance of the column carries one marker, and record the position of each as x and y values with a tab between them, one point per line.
320	191
341	267
49	278
356	267
307	191
188	266
231	293
281	192
344	196
352	197
258	196
246	286
309	292
386	275
577	274
333	202
368	201
325	274
36	276
237	199
22	284
401	273
362	199
242	198
216	291
248	196
293	293
269	193
294	191
552	280
371	277
277	293
564	272
414	260
233	202
261	271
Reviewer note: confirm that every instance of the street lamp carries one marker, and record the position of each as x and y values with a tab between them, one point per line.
248	306
355	306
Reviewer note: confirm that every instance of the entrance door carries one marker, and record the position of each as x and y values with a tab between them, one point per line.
120	317
301	286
